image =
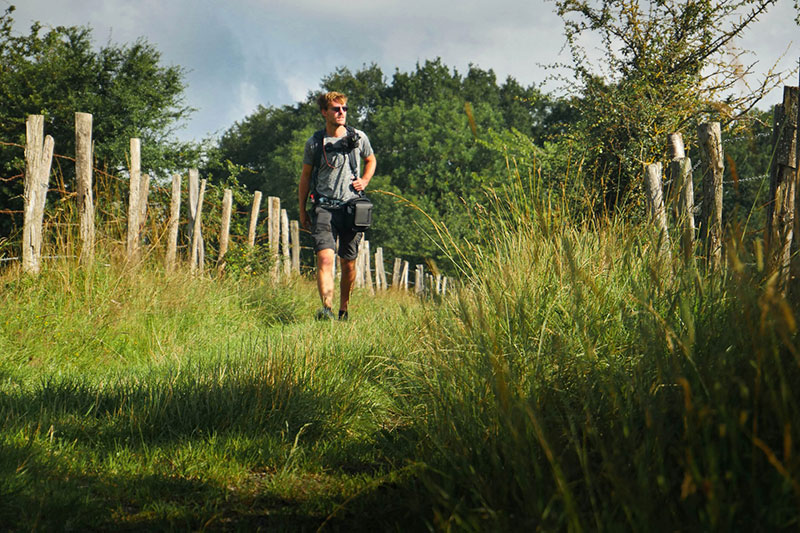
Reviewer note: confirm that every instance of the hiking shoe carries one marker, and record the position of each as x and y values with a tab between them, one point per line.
343	315
325	314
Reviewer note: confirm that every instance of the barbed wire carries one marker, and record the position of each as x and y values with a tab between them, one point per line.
98	171
744	180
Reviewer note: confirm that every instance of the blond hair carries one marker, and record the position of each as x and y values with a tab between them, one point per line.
326	99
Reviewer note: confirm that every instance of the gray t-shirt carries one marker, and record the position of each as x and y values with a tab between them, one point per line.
335	177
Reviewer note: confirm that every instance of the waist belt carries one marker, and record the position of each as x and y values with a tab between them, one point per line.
330	203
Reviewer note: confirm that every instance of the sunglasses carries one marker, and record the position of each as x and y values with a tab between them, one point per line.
337	108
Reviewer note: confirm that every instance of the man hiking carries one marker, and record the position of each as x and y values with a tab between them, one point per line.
331	174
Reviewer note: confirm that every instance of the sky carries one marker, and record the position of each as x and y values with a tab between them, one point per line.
239	54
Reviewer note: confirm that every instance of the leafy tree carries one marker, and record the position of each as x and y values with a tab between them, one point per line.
667	65
421	128
57	72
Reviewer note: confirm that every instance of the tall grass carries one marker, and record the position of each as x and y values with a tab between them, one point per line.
577	381
580	383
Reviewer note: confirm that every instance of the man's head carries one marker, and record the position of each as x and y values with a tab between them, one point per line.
333	107
326	100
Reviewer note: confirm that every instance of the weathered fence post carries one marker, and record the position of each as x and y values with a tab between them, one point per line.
174	221
781	206
676	145
251	234
194	213
295	229
83	175
655	198
396	272
134	197
682	178
419	280
359	281
683	190
225	230
380	273
198	258
795	266
287	267
274	231
367	269
710	140
38	160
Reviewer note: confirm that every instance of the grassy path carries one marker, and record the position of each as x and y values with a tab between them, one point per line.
145	403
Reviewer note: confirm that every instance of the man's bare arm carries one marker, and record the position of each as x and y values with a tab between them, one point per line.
370	163
302	195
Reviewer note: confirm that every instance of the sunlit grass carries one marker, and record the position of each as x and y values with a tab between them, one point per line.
580	382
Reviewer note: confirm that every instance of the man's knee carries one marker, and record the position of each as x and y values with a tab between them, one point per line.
325	259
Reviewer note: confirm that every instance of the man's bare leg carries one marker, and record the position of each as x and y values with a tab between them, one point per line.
348	279
325	259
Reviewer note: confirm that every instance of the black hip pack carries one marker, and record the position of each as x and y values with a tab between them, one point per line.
359	213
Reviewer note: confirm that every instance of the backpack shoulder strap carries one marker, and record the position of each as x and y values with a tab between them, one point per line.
319	138
352	155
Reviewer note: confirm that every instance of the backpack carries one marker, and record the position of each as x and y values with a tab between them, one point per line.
319	140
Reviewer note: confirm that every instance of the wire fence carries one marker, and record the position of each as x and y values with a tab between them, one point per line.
114	194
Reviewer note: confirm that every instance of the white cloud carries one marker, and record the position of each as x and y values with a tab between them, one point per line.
242	53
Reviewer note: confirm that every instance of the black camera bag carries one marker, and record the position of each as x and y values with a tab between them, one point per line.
359	213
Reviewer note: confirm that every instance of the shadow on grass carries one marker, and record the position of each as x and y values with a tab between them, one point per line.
56	437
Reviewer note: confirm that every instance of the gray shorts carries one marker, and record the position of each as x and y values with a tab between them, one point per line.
329	224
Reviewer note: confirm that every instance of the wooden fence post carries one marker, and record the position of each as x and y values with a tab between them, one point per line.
367	269
194	214
682	188
676	145
795	266
396	272
251	234
192	193
274	231
197	236
681	171
655	197
174	220
380	273
134	197
287	266
83	175
359	281
781	206
38	160
225	230
419	280
710	137
404	276
295	229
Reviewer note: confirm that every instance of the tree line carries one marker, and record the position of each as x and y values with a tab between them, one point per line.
443	138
